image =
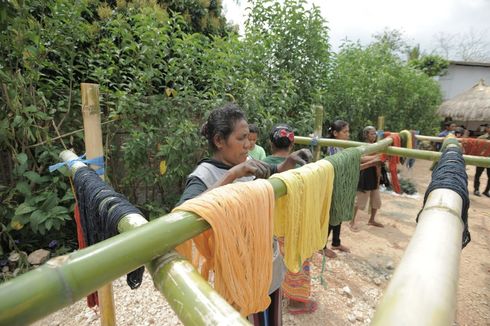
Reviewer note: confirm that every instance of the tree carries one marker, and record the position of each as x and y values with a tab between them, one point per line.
432	65
373	81
288	61
468	46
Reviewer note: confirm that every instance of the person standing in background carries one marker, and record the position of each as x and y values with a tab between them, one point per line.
368	187
448	129
256	152
479	169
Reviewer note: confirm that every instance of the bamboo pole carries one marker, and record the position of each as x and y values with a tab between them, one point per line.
432	138
393	150
318	130
436	139
94	148
203	306
381	122
423	288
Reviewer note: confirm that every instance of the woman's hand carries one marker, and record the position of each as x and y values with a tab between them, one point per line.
259	169
300	157
371	160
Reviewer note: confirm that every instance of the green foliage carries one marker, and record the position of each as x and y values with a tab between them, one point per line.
431	65
373	81
162	66
288	63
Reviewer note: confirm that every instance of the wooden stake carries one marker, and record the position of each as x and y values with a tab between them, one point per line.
94	148
381	123
318	130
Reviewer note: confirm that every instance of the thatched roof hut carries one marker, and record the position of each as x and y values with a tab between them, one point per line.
472	105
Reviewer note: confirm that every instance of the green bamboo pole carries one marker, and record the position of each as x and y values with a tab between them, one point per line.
392	150
189	295
430	138
423	288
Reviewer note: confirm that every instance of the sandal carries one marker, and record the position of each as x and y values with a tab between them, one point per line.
309	308
329	253
341	248
379	225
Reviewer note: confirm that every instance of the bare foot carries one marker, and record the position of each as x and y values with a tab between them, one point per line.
329	253
374	223
341	248
354	228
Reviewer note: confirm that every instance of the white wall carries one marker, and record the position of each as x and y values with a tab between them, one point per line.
461	78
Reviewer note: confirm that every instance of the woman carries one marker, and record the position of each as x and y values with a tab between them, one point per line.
227	133
368	187
339	129
296	286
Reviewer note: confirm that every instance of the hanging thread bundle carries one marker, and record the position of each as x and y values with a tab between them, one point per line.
238	248
477	147
450	173
101	209
346	170
393	161
302	215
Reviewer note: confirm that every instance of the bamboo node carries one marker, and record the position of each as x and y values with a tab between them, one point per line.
58	261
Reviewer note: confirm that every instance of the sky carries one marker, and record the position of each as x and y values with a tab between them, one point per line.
419	20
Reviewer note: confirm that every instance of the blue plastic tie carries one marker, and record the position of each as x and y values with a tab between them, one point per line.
99	161
314	141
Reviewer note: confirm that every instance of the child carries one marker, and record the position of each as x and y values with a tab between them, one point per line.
256	152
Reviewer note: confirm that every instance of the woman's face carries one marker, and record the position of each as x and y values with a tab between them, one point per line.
343	134
253	139
234	150
371	136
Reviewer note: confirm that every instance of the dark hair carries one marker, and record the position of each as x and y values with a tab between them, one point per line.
448	124
221	122
366	130
281	136
337	126
253	129
459	131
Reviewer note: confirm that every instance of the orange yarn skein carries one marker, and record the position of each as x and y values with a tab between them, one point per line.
238	248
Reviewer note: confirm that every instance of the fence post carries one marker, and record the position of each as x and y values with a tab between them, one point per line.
381	122
93	149
318	130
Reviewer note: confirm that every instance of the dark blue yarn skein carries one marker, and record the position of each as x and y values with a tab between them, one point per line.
101	209
450	173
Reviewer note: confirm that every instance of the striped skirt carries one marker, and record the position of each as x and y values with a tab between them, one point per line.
297	286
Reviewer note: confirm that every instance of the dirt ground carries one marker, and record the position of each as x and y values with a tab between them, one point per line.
366	271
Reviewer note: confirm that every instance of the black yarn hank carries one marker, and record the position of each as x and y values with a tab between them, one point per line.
101	209
450	173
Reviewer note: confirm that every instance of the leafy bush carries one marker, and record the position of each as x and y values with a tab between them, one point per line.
372	81
162	66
